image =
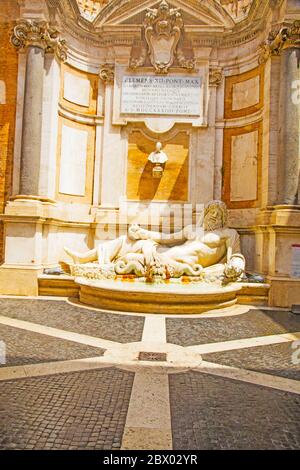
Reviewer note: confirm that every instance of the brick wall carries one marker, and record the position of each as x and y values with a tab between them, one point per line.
8	94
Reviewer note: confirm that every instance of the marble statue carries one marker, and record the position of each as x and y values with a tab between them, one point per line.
210	251
158	156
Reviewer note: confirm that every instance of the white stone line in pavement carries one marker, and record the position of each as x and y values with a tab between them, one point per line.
35	297
244	343
50	368
154	330
148	422
256	378
57	333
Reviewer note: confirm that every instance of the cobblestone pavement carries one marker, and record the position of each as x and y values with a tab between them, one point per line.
275	359
85	410
190	331
25	347
60	314
115	400
215	413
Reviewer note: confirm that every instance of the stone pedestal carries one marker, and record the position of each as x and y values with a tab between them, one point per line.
24	259
277	230
283	292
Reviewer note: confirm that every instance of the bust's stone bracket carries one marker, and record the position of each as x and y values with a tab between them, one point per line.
163	43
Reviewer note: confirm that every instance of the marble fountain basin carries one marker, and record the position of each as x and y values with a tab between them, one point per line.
164	298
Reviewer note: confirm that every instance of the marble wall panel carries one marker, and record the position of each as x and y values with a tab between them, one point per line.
246	94
244	167
75	162
79	90
76	89
72	178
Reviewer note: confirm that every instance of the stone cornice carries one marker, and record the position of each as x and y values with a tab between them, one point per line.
106	35
112	37
225	40
39	34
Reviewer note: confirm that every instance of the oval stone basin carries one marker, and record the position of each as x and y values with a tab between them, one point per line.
164	298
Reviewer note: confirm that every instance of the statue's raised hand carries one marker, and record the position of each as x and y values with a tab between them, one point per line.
235	267
135	232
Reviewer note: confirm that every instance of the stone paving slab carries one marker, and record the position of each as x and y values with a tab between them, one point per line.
62	315
192	331
81	410
273	359
221	414
24	347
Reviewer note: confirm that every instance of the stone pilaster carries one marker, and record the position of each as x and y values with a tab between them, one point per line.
110	180
290	126
38	38
286	43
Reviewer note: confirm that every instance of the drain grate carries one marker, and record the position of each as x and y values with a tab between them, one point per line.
152	356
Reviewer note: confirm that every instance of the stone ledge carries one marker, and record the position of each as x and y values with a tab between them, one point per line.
59	286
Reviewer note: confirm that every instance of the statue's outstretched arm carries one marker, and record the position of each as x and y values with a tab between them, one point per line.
135	232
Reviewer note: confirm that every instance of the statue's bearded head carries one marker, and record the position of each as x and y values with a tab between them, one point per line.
215	216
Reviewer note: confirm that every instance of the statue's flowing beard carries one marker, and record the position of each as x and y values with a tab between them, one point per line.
211	225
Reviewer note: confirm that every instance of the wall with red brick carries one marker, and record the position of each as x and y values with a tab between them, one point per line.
8	97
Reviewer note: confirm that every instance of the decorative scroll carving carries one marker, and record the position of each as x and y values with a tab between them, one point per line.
277	41
107	73
89	9
237	8
184	61
163	27
39	34
215	76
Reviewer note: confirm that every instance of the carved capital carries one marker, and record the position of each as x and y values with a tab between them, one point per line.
107	73
215	76
40	34
280	40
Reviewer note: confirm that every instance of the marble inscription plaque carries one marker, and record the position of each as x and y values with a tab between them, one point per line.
161	95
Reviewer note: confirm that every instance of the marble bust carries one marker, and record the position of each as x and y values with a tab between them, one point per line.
212	249
158	156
